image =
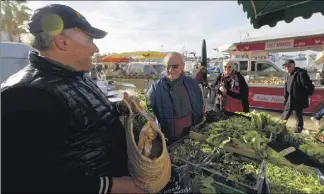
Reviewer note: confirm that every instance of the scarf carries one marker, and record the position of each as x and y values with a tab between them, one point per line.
180	99
231	83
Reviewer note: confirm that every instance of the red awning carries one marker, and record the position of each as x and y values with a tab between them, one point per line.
283	44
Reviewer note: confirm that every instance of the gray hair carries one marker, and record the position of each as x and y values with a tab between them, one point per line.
43	41
228	62
172	54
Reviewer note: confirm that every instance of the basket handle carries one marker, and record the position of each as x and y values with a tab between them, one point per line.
142	112
137	107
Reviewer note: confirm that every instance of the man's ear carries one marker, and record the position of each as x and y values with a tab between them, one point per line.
61	42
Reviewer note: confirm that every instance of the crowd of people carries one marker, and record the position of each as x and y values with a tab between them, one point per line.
61	133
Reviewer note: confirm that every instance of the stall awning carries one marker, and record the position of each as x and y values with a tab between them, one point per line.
263	13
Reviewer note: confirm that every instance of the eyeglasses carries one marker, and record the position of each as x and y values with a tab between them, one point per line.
227	67
176	66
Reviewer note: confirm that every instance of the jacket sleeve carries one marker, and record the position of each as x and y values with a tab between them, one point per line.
286	94
215	84
307	83
200	100
33	125
151	93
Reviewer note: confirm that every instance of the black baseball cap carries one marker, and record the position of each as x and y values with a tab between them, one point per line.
288	62
57	17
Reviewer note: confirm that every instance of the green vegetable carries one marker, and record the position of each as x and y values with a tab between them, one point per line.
314	151
236	168
237	132
190	150
283	179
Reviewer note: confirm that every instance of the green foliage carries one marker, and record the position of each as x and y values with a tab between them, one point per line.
191	150
314	150
285	179
14	15
237	132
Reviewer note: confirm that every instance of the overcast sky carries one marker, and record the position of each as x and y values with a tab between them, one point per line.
175	25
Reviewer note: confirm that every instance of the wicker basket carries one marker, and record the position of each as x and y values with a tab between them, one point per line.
154	173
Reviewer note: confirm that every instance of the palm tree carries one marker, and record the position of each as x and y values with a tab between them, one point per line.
14	16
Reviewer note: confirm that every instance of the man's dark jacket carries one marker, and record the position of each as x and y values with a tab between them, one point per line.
59	131
301	87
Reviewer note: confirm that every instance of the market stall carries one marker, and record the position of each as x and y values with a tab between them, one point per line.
270	95
112	59
238	155
244	153
144	54
252	152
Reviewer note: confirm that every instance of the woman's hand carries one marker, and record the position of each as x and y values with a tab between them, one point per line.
223	90
127	184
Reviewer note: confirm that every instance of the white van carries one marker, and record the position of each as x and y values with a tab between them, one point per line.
259	67
14	57
145	68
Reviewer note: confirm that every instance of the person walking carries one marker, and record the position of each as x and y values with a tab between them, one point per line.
298	88
317	118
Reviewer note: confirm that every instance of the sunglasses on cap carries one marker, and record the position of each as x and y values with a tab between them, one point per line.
176	66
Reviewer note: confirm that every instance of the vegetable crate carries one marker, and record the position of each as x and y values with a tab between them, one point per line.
236	171
192	152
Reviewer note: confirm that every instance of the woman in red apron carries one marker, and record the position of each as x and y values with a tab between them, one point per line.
233	91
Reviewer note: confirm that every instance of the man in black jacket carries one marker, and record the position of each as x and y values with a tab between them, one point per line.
60	133
298	88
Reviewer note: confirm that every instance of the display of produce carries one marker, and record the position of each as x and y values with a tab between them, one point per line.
220	131
235	168
284	179
204	182
273	157
272	80
262	121
190	150
237	132
320	135
314	150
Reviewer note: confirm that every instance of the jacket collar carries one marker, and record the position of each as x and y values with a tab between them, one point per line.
49	65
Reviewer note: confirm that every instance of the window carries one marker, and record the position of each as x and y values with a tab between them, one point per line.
243	65
264	67
253	66
235	66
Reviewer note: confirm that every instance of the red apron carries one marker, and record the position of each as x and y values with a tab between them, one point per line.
232	104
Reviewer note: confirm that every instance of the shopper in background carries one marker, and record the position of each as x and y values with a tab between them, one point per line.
298	88
60	133
317	118
176	100
233	91
200	76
